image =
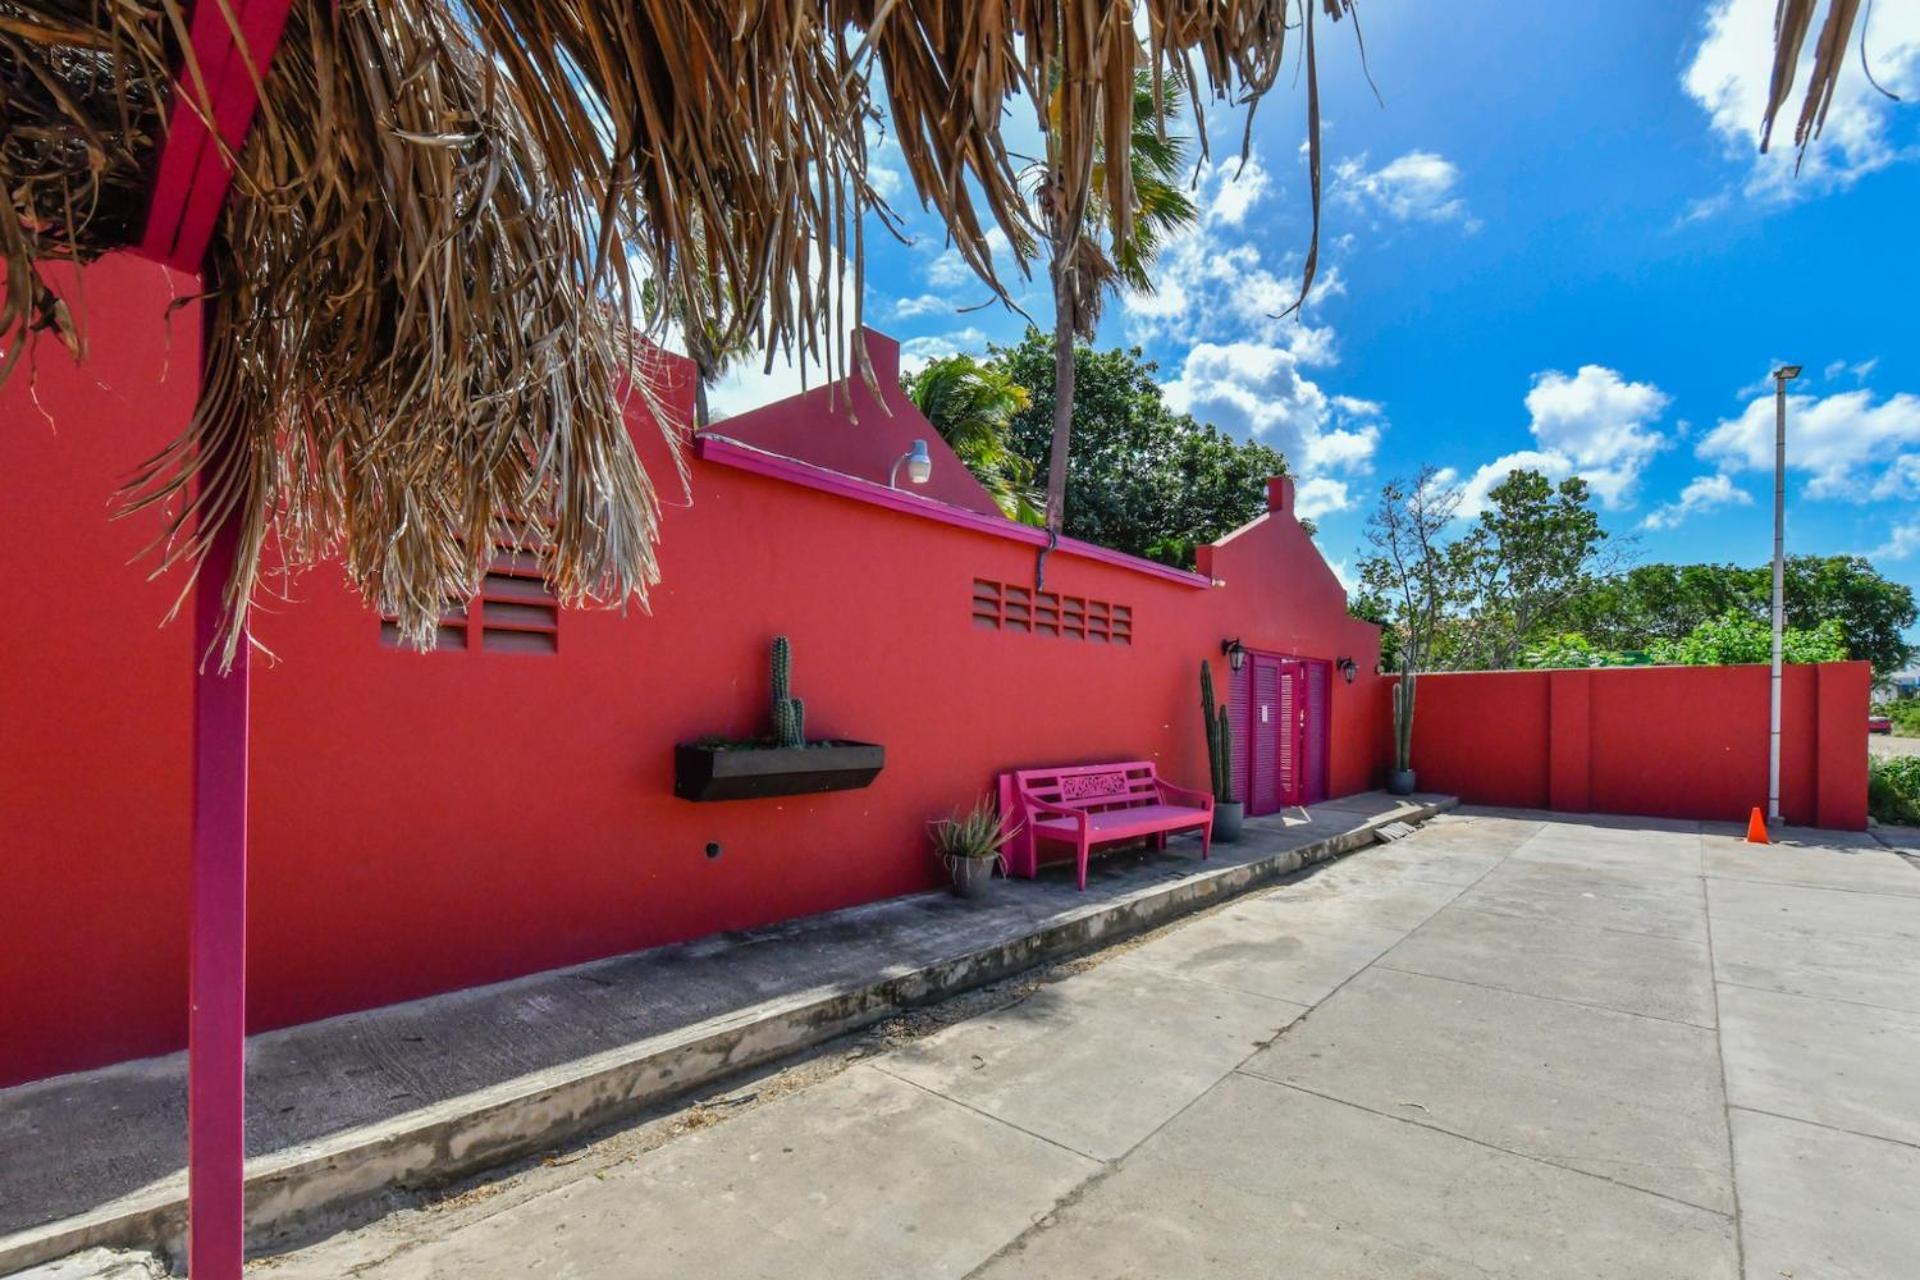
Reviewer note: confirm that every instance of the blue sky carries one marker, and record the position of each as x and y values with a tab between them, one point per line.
1553	245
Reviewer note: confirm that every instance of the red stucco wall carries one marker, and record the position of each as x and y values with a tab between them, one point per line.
421	823
1682	742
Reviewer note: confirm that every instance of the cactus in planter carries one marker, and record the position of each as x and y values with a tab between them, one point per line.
1219	731
789	713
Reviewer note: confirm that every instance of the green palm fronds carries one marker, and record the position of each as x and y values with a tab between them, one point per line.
972	406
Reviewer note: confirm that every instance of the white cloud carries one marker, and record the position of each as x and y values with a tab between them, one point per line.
1593	424
1861	371
1848	445
1419	186
1902	541
916	352
1728	78
1244	367
1703	493
1601	424
1473	492
1257	390
926	304
949	270
1321	495
1212	285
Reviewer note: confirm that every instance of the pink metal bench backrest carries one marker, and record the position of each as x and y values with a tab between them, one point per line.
1094	788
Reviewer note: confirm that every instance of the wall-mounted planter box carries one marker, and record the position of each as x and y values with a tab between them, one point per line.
752	773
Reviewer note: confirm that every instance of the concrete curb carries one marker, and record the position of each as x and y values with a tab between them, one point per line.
462	1136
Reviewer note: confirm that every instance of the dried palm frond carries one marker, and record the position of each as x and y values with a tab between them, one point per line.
81	97
408	353
421	285
1792	20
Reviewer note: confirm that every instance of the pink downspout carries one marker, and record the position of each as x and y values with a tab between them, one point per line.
217	977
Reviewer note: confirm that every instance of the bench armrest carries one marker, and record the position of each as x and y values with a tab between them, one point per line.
1200	799
1057	810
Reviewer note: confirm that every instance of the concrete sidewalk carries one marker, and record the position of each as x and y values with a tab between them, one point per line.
420	1094
1504	1046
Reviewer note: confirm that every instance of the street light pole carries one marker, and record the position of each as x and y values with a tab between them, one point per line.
1781	376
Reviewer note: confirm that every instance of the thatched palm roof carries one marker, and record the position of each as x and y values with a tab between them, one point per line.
421	284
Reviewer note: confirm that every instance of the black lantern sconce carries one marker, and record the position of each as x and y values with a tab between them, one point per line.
1347	668
1236	654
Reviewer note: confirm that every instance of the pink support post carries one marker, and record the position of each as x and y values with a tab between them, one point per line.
217	978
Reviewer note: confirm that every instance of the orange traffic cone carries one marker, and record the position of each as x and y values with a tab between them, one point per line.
1757	829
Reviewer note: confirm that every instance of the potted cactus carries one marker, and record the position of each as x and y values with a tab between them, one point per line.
1228	813
968	844
784	764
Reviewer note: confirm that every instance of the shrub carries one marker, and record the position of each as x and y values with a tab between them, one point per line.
1893	790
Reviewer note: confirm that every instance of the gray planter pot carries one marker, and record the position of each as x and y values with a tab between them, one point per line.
971	876
1227	818
1399	782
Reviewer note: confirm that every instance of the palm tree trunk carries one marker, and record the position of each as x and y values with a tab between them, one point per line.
1062	398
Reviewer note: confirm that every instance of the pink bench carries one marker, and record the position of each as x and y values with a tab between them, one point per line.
1089	804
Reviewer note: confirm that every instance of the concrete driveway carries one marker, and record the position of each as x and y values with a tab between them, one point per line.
1502	1046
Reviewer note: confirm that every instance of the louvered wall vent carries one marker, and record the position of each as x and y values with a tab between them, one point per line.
516	613
1002	606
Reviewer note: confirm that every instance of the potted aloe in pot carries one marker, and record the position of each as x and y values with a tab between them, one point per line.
968	844
1228	813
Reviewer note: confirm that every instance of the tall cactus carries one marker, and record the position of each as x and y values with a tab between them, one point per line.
1219	736
789	713
1223	789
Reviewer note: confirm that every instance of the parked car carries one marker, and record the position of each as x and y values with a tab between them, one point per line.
1879	724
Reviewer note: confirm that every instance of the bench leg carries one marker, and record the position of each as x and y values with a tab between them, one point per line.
1083	849
1206	841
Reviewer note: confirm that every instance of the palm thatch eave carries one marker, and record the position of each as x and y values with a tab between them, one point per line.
421	287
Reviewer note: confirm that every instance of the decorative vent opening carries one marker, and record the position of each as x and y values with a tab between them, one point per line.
1001	606
515	614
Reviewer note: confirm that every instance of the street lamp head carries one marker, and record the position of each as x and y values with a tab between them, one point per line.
1787	372
917	461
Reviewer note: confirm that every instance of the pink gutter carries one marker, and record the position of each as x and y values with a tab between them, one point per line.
190	188
710	447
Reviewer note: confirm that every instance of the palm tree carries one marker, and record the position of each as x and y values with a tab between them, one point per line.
1083	268
972	406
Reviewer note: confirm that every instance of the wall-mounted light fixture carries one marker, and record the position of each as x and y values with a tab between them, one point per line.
1347	668
1236	653
919	464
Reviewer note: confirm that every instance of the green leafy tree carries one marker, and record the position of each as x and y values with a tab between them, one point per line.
1083	266
972	406
1736	637
1532	550
1413	572
1657	602
1571	649
1143	478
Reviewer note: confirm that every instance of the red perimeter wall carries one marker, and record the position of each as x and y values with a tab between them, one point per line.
427	822
1677	742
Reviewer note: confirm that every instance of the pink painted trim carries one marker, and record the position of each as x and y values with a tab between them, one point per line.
731	453
217	946
191	181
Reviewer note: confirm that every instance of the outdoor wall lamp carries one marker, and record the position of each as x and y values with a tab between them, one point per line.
1347	669
919	464
1236	654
